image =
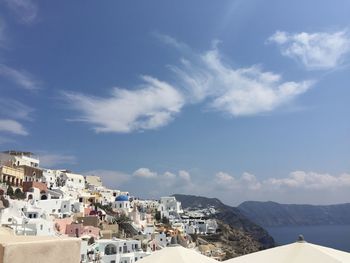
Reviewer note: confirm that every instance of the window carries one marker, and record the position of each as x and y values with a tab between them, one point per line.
110	249
41	227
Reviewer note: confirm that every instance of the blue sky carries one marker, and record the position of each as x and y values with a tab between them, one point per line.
241	100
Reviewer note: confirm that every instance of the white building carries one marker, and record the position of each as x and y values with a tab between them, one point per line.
19	158
169	206
122	203
93	180
73	181
51	177
120	251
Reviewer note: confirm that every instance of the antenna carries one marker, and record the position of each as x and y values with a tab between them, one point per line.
301	239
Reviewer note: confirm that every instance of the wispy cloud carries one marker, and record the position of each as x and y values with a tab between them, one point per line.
25	10
319	50
150	106
53	160
236	91
199	78
12	114
20	77
12	127
14	109
169	40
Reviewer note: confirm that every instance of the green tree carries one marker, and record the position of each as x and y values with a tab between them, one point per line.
19	194
158	216
121	219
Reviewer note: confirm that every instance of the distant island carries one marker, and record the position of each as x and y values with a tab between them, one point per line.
271	214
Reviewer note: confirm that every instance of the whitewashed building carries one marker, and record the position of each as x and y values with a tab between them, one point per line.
169	206
73	181
120	251
122	203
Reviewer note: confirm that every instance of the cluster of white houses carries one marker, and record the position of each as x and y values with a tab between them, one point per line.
113	226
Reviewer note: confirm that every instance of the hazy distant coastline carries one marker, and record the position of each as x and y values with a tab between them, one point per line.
272	214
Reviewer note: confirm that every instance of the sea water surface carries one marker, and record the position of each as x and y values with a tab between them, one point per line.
334	236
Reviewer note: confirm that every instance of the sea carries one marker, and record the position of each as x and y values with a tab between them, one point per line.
334	236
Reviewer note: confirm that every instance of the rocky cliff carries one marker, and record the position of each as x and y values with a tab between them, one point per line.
244	235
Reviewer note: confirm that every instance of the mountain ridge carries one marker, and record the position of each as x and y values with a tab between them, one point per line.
270	214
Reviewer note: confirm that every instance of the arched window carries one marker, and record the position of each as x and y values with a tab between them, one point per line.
110	249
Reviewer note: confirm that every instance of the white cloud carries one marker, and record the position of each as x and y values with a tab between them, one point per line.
297	187
229	182
146	183
295	180
52	160
111	178
12	126
152	106
319	50
200	78
145	173
171	41
22	78
236	91
25	10
166	176
185	175
10	108
310	180
11	113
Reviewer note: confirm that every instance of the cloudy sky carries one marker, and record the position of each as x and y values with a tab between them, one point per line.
240	100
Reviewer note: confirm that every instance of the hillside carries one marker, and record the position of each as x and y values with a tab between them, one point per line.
230	216
271	214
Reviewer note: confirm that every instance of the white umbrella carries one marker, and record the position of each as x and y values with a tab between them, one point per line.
176	254
298	252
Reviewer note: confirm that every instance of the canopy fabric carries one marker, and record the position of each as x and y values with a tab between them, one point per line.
299	252
176	254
